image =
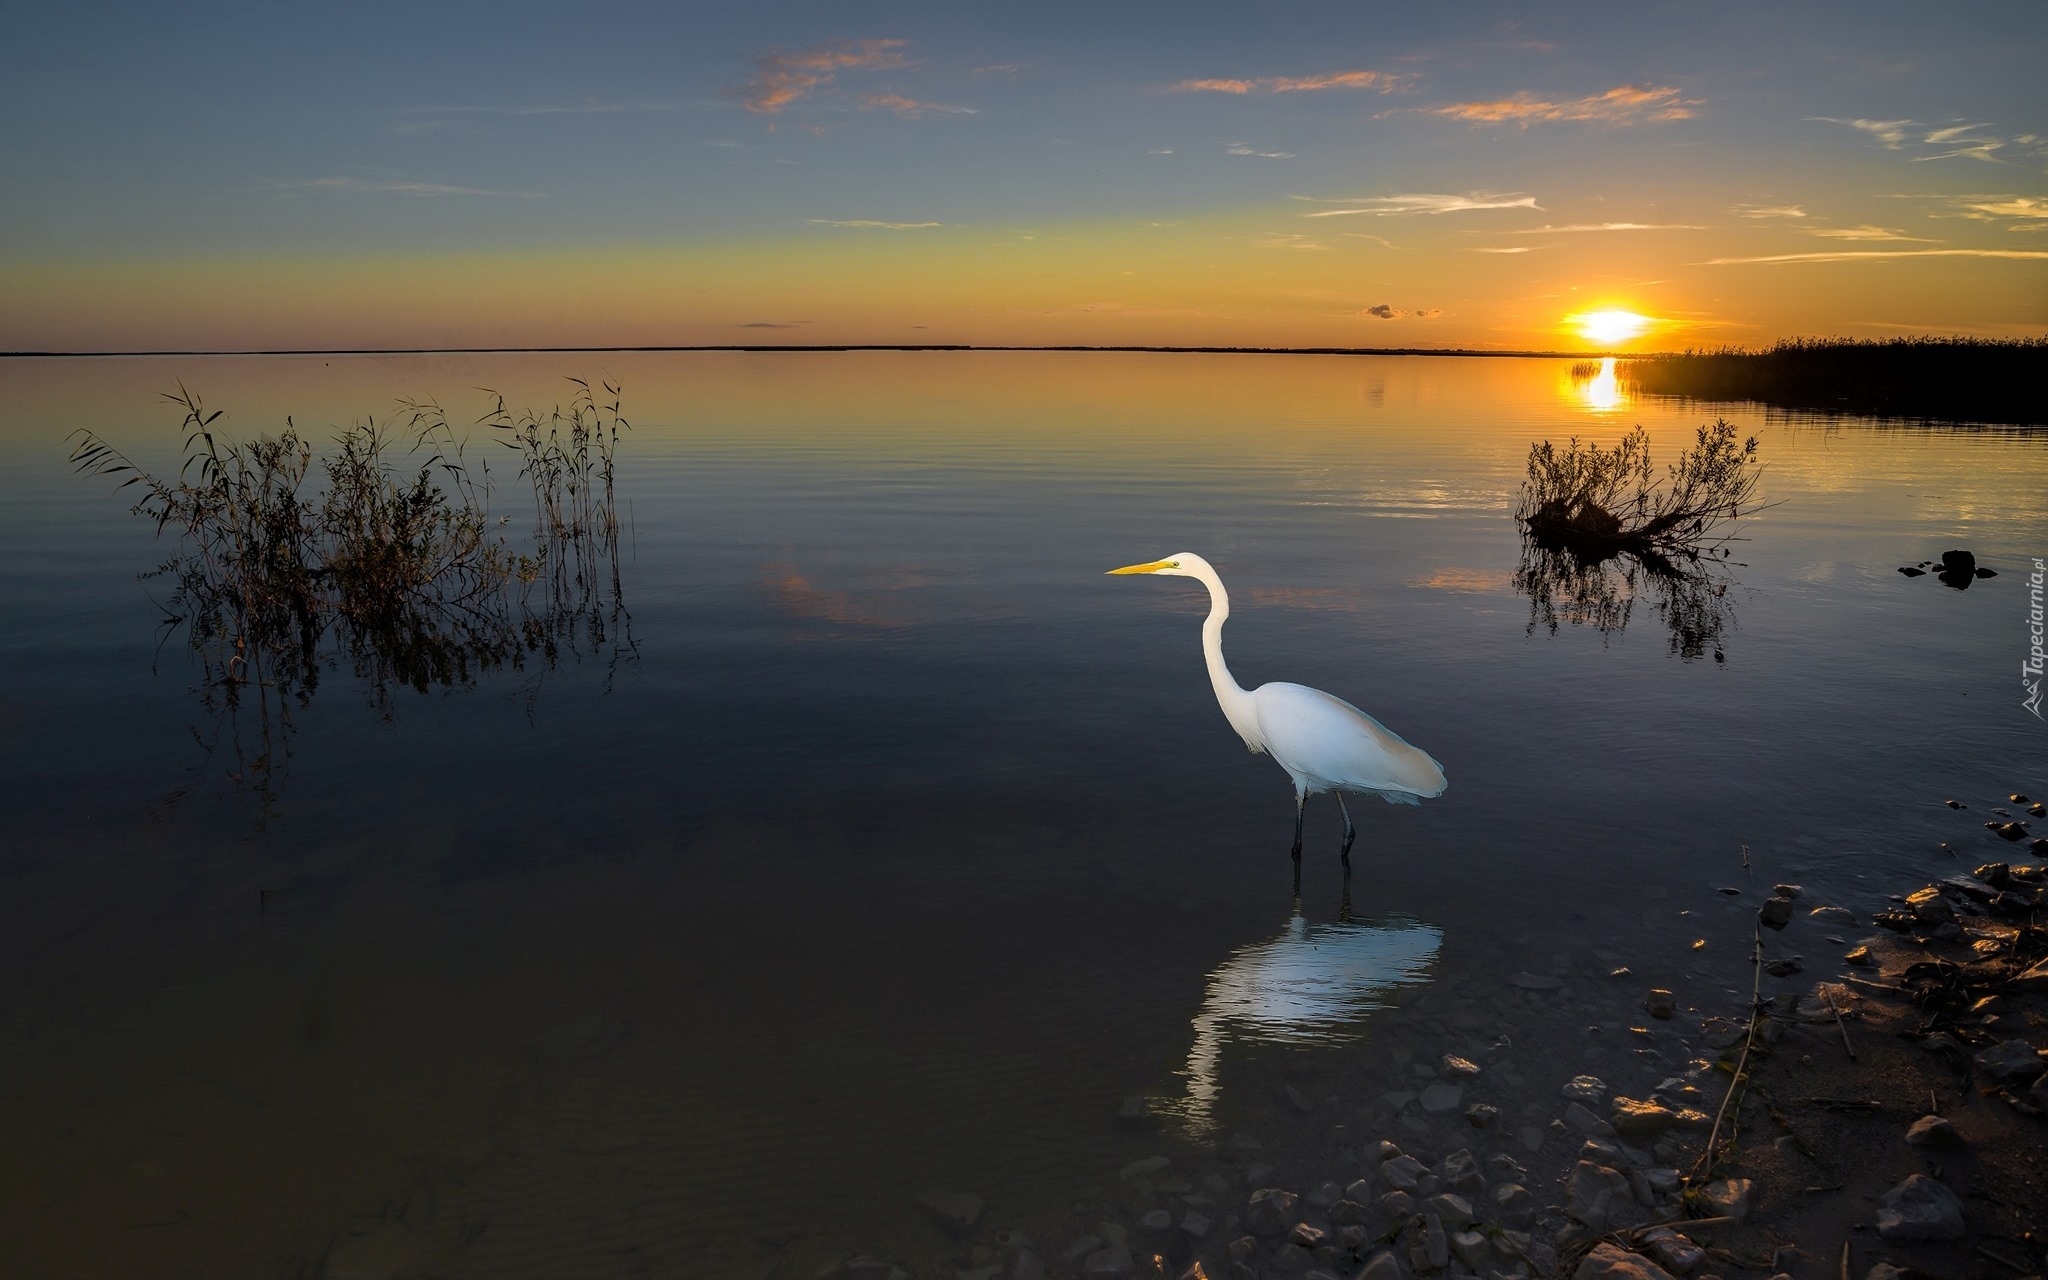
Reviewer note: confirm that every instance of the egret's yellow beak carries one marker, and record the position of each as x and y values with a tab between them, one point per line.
1152	566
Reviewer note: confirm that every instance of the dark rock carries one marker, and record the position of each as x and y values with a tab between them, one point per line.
1955	804
1958	562
1270	1211
1481	1116
2017	798
1674	1251
1776	912
1861	958
1607	1262
1982	572
1633	1119
1896	921
2013	1062
1784	967
1929	906
1911	572
1996	874
2013	830
1920	1209
1661	1004
1402	1172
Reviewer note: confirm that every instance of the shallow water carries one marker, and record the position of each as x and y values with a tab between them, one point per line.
902	845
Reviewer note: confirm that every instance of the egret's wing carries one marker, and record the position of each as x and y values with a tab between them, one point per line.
1332	743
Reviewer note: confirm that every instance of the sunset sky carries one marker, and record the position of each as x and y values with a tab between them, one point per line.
1357	174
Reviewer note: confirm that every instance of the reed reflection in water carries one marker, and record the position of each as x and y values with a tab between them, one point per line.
1309	985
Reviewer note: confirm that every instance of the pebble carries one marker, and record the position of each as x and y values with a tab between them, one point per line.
1440	1097
1731	1197
1661	1003
1382	1266
1920	1209
1451	1208
956	1211
1861	958
1194	1225
1585	1089
1593	1192
1675	1251
1586	1122
1456	1066
1934	1131
1398	1204
1481	1116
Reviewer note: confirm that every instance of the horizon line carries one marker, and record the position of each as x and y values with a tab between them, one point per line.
822	347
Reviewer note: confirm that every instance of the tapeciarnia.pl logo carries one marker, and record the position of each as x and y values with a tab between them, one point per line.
2030	670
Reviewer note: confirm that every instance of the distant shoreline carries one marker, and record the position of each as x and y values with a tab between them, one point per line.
820	347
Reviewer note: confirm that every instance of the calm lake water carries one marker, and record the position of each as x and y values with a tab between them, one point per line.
900	845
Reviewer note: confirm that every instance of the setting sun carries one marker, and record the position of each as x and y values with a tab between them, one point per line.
1609	327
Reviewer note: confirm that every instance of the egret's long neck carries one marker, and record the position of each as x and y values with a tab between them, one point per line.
1236	703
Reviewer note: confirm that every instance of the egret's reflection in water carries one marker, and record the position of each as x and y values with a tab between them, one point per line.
1313	984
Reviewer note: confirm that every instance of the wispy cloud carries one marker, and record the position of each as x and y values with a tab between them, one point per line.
774	324
911	108
1384	82
1518	248
1240	149
1890	134
586	108
872	224
1398	205
1768	211
1623	104
787	76
396	187
1385	311
1286	240
1993	208
1864	233
1959	141
1878	255
1608	226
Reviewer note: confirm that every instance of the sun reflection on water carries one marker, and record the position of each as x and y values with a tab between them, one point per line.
1600	392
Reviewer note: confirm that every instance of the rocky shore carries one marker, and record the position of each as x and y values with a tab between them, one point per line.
1882	1123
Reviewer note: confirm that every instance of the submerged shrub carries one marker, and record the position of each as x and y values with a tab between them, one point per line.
397	566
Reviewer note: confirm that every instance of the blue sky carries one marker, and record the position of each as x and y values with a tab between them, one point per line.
151	136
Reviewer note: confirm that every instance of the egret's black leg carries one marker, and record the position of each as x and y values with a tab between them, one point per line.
1300	799
1344	905
1350	832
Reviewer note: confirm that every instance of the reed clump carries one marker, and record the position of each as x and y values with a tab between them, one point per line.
1948	378
396	563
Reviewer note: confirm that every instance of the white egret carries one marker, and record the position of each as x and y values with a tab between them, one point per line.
1323	742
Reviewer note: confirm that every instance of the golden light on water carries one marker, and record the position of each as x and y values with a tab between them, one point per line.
1609	327
1601	391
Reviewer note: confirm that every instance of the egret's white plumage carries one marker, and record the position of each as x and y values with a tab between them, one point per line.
1323	742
